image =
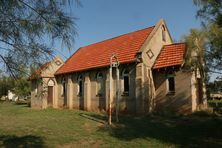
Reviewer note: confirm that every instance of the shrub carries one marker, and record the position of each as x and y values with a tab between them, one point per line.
216	105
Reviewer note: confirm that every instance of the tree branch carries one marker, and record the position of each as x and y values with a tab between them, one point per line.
217	72
9	68
47	21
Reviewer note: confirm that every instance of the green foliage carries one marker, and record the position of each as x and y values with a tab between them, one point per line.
29	29
210	13
6	83
216	105
214	50
196	53
73	128
215	86
22	87
196	43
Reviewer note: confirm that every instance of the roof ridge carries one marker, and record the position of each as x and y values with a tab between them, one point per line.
119	36
39	70
44	66
175	43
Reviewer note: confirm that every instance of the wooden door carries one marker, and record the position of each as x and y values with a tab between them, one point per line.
50	95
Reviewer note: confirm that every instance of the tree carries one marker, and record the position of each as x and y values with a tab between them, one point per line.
195	56
28	30
216	86
22	88
195	59
6	83
210	13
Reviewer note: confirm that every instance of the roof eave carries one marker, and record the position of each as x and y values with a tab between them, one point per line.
92	68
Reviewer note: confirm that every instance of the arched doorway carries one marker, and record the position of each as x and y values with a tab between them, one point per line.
51	84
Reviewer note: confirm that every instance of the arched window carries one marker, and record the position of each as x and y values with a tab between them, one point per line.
126	81
63	87
99	86
80	85
51	82
36	90
163	33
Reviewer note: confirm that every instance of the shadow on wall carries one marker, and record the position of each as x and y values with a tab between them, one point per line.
178	104
184	131
9	141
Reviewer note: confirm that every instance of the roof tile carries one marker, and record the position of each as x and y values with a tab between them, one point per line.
98	55
38	72
171	55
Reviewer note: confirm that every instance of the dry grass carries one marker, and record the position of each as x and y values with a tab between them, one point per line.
21	126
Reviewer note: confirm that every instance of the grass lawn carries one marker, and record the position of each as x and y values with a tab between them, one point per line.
21	126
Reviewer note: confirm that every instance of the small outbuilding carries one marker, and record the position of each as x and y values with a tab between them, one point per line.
43	84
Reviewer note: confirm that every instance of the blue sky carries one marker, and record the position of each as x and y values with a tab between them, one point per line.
103	19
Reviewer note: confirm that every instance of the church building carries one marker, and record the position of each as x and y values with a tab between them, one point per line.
141	71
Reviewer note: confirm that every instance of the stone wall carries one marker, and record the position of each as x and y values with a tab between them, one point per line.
36	94
181	100
91	100
39	86
155	43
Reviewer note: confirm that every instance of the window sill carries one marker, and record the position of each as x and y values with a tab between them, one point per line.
125	94
99	95
171	93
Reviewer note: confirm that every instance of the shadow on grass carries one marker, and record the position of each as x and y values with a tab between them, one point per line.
94	117
24	103
20	103
185	131
9	141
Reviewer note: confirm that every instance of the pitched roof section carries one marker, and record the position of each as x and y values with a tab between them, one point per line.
170	55
38	72
98	55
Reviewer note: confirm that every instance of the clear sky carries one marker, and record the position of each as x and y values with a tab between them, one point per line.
103	19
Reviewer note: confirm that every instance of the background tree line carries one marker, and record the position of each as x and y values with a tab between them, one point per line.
205	44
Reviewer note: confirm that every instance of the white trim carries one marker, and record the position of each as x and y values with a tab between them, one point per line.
51	82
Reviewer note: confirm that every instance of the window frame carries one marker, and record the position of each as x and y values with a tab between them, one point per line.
126	74
99	81
163	33
63	86
171	83
80	86
150	54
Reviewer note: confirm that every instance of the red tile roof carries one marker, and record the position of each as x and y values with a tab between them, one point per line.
98	55
170	55
39	71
